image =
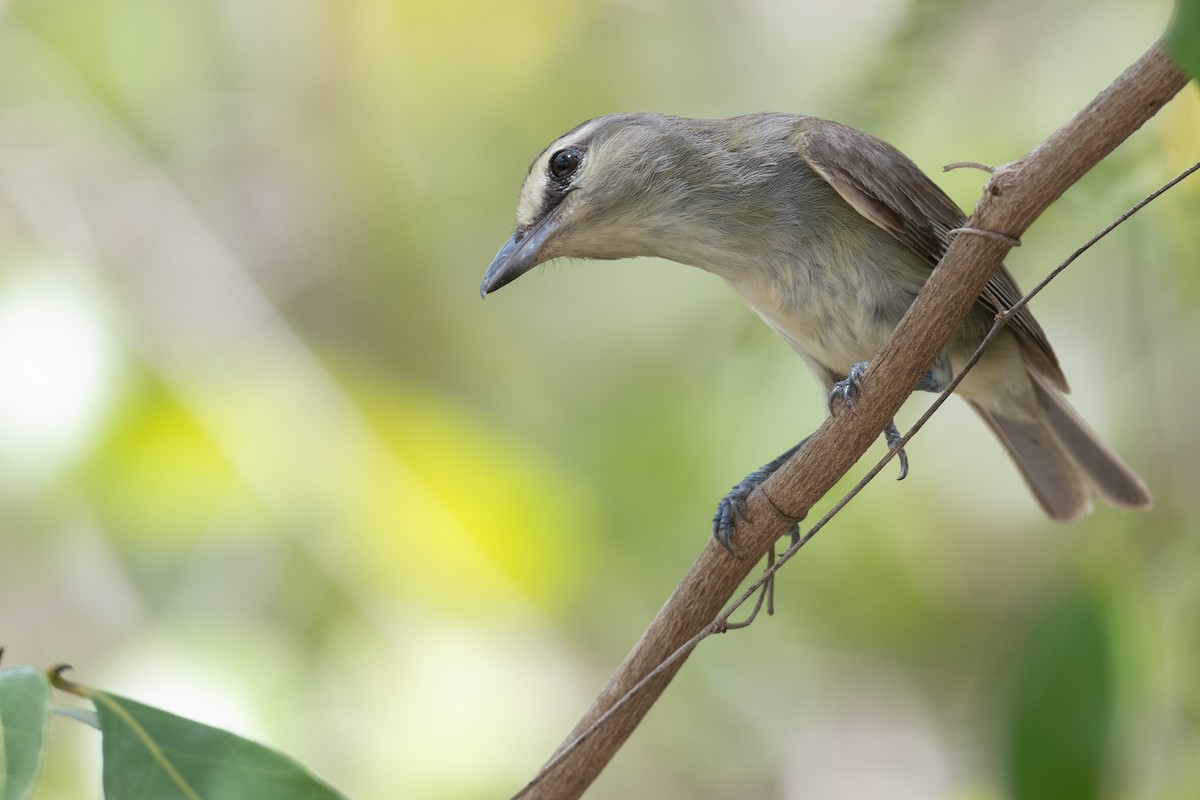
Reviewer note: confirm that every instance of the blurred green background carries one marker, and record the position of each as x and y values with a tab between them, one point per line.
267	460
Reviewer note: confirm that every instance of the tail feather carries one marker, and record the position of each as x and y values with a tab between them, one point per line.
1053	479
1062	460
1111	477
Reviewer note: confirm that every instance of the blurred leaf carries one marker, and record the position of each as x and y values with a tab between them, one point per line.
24	708
159	477
112	42
1183	36
907	59
1060	710
516	507
150	754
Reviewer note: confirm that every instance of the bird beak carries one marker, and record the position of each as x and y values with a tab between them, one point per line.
524	250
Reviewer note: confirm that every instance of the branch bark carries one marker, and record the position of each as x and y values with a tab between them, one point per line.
1014	196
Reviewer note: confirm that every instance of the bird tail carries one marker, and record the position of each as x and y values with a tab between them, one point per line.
1063	460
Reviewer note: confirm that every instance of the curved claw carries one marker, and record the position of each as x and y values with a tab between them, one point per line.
723	523
794	534
892	434
848	388
730	508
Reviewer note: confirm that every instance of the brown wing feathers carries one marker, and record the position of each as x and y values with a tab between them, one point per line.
913	209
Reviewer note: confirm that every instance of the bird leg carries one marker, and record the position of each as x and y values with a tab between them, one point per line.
845	390
731	504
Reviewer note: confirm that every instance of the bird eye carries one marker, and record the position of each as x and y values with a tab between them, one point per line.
564	163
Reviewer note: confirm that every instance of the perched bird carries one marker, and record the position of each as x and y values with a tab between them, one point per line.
826	232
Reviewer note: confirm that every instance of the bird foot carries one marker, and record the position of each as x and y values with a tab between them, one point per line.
729	510
844	392
847	388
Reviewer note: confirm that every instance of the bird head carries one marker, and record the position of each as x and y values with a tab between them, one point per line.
610	188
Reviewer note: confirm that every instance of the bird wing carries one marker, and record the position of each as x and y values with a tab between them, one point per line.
916	211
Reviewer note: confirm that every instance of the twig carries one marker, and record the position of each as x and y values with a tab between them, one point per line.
989	169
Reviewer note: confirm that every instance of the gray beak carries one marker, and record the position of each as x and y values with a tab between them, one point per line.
523	251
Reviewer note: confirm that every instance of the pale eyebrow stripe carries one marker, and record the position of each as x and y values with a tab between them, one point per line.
536	204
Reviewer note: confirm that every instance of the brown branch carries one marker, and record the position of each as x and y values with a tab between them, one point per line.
1014	196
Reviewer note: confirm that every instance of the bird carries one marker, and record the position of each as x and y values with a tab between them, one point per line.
827	233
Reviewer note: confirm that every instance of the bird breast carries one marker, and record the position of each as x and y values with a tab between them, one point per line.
834	301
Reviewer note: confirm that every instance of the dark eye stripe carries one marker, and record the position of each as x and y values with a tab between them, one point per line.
561	167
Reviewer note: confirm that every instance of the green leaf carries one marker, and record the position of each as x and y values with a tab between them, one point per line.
1183	36
85	715
1060	712
24	709
150	754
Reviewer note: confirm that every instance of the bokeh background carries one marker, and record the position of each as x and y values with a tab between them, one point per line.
268	461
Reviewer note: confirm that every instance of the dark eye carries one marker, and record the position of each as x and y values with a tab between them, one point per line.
564	163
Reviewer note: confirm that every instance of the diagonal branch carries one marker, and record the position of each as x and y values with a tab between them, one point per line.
1014	196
